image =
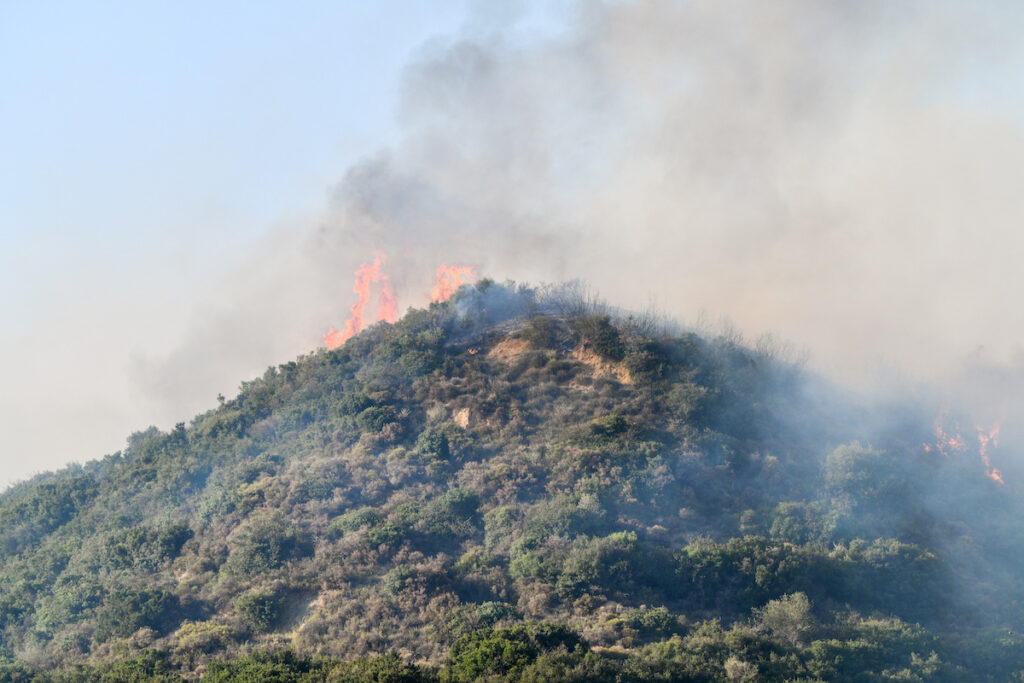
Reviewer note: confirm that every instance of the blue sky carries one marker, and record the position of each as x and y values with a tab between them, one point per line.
123	124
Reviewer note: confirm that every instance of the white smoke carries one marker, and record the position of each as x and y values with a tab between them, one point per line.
843	175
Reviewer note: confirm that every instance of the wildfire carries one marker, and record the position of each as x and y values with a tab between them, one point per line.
449	279
366	275
387	305
984	439
949	444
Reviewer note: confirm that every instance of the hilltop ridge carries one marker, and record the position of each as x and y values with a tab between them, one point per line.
520	469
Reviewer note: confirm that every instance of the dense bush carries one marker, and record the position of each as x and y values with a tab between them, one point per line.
260	609
126	610
143	547
507	652
598	332
264	543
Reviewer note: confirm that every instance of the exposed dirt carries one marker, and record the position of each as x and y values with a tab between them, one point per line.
509	349
602	367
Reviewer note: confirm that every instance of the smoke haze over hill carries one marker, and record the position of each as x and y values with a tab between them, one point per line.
819	171
840	175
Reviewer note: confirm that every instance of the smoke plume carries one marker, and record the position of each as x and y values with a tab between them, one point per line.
825	171
842	175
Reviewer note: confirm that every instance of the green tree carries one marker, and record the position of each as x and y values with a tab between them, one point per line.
126	610
264	543
259	610
787	620
507	652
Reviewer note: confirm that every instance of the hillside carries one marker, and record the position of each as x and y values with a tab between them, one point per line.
517	483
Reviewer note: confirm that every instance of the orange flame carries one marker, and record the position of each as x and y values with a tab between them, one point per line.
473	352
366	275
387	306
335	338
449	279
947	444
984	439
950	444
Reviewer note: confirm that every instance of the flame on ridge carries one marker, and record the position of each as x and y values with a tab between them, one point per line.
366	275
387	305
449	279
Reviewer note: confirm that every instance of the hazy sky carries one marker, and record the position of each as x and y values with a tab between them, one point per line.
147	151
186	187
144	148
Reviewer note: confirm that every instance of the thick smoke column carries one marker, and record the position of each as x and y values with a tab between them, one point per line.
843	175
818	170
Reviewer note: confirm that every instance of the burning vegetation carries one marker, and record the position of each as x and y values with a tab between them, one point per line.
949	442
448	280
367	275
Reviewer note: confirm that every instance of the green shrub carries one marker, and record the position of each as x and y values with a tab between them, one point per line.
282	667
651	622
385	533
541	331
125	611
315	488
395	581
609	426
603	564
144	547
432	444
646	360
507	652
453	513
200	637
149	666
387	668
259	610
373	419
788	619
351	521
499	524
598	331
72	597
264	543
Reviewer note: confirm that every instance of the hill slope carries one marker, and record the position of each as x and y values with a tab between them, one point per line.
519	472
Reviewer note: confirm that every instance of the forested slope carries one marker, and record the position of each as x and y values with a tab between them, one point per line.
520	484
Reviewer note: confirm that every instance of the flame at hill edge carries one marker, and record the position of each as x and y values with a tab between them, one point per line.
449	279
366	275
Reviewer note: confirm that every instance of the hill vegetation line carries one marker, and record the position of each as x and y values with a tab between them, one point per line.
520	484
